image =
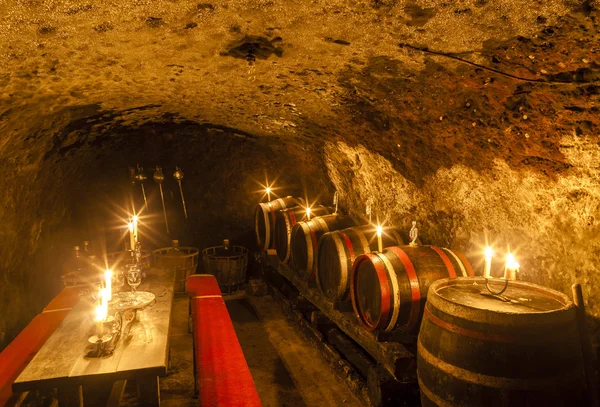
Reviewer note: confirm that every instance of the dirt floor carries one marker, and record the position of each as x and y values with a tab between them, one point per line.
287	371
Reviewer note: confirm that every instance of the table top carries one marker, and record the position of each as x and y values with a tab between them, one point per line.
141	352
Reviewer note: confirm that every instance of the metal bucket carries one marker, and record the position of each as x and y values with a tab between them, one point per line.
184	261
228	264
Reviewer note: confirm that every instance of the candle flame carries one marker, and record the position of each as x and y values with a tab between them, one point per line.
308	211
130	226
268	190
489	252
379	230
511	262
101	313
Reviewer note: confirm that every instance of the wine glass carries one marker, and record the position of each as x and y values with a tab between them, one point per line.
134	279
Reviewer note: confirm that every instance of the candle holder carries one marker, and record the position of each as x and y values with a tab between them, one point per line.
159	178
487	285
103	342
140	177
413	234
178	175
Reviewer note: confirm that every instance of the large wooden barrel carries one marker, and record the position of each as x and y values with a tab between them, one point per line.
285	220
389	289
264	220
306	235
520	349
337	251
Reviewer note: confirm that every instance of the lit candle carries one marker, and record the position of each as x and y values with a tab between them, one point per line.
108	283
268	191
99	320
135	228
104	297
131	237
487	270
308	213
511	267
379	242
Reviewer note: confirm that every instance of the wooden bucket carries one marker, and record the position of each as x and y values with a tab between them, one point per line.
389	289
184	261
519	349
227	265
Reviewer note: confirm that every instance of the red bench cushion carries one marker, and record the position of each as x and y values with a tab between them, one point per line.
221	370
67	298
23	348
202	284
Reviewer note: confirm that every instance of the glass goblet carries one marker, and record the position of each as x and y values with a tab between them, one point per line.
134	279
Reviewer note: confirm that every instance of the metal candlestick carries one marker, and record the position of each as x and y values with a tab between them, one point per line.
140	177
499	292
159	177
178	175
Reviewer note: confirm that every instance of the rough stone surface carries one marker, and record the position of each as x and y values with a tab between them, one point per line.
471	116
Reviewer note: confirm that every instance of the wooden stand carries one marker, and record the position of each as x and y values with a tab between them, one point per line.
367	379
392	356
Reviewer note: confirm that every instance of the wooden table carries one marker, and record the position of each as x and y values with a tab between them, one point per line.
141	355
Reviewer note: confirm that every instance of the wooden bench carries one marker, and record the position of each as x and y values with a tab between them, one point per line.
222	376
23	348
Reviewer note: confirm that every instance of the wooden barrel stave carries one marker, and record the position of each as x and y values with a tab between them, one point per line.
264	220
389	289
509	359
305	237
285	220
337	251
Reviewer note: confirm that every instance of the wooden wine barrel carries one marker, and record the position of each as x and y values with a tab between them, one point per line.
337	251
264	220
520	349
389	289
285	220
306	235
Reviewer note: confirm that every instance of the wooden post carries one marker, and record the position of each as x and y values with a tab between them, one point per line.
148	391
586	348
70	396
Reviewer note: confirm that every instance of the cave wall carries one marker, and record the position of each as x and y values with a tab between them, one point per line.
472	117
73	185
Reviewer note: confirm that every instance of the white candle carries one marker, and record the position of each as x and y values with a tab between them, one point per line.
379	241
104	297
135	229
308	213
487	270
108	283
131	237
99	320
511	267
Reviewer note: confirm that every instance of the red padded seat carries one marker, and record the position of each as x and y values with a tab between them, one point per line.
202	285
15	357
221	372
67	298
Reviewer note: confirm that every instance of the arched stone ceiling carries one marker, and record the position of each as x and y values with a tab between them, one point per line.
474	116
